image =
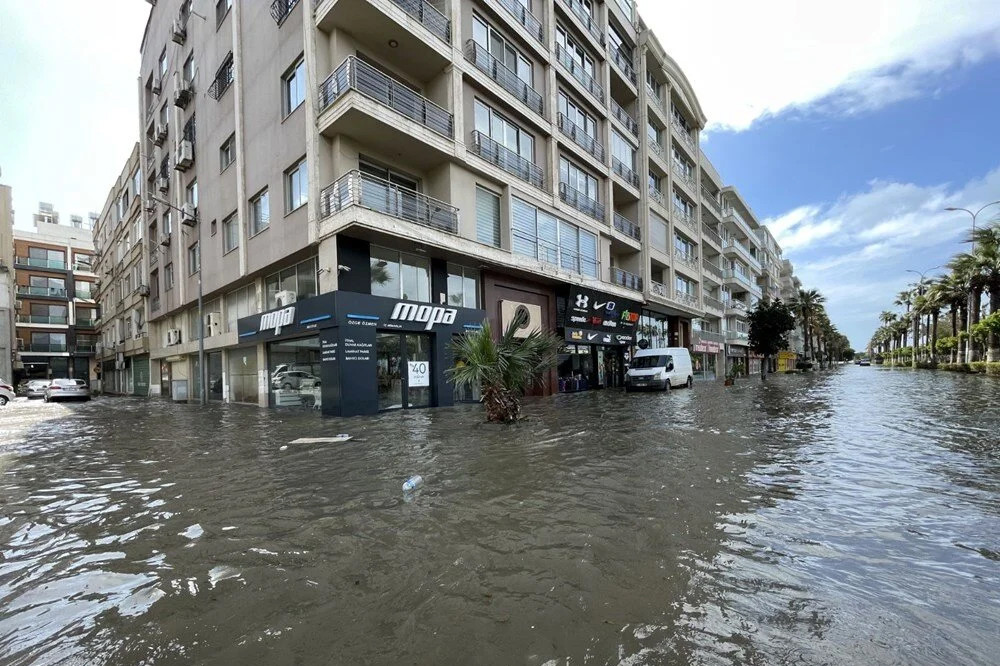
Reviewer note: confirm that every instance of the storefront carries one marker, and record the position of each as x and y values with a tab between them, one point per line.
599	330
349	353
736	360
786	361
704	358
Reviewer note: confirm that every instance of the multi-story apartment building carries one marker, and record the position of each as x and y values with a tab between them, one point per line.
7	337
123	348
431	165
56	307
790	285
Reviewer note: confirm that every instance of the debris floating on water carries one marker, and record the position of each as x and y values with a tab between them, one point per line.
322	440
413	483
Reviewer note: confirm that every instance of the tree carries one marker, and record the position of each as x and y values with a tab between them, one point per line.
503	369
770	322
987	256
805	306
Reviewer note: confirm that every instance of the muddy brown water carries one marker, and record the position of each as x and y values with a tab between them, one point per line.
847	517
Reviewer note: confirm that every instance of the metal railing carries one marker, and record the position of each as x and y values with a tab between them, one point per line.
577	71
712	201
380	195
684	133
711	234
626	279
45	347
656	195
86	323
708	336
624	65
687	219
738	277
223	78
684	174
354	74
713	303
524	17
656	147
555	255
625	172
732	244
56	292
40	263
624	118
588	21
712	268
737	219
735	307
42	319
85	348
654	94
188	133
627	226
689	260
690	300
429	16
280	9
738	336
581	201
659	289
580	137
507	159
485	62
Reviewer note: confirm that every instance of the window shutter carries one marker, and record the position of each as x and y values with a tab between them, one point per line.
487	217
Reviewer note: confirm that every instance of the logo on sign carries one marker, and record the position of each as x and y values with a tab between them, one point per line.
629	317
429	315
582	301
277	319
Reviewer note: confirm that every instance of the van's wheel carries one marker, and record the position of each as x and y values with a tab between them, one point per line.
690	382
666	385
3	400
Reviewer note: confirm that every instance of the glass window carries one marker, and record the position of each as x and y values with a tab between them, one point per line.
168	277
191	193
243	375
162	65
166	225
294	372
194	259
299	279
260	213
652	84
396	274
296	186
463	286
545	237
653	133
227	152
578	179
293	85
230	233
484	35
189	69
622	150
504	132
240	303
574	51
487	217
577	115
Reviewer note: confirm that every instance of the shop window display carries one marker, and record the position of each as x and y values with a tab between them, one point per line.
243	375
294	372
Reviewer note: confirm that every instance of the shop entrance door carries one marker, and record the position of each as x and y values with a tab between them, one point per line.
403	362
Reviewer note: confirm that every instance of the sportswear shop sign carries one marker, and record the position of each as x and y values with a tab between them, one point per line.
593	317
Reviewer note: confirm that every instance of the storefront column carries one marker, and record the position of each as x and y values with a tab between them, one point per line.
263	379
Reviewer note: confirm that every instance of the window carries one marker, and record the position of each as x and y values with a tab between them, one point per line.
487	217
463	286
137	183
162	67
168	277
41	256
214	227
685	247
686	287
188	72
681	164
230	233
545	237
491	40
222	8
54	342
227	152
293	86
191	193
165	115
578	179
240	303
574	51
47	286
652	84
166	224
299	279
296	186
618	43
679	118
194	258
654	182
653	133
682	205
260	213
622	150
658	232
504	132
399	275
577	115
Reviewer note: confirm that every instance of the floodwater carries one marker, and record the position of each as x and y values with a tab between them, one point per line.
846	517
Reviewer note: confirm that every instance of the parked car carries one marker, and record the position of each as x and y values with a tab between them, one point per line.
67	389
35	388
283	368
294	379
6	393
664	368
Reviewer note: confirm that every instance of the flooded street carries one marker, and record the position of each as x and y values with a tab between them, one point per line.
848	517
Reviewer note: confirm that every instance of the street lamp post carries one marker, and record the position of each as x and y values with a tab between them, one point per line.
969	347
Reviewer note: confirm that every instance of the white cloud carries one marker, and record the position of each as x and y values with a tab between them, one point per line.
748	60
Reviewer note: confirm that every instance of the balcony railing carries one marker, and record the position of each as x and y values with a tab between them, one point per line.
588	21
354	74
684	217
625	172
40	263
524	17
627	227
485	62
709	336
507	159
659	289
581	201
41	319
712	201
712	268
713	303
711	234
738	277
690	300
626	279
83	267
656	148
684	133
154	303
223	77
429	17
735	307
45	347
86	294
366	191
86	323
624	118
552	253
56	292
656	195
689	260
576	69
684	174
742	250
624	65
737	336
580	137
280	9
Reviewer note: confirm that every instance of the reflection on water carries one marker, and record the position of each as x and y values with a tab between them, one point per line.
842	518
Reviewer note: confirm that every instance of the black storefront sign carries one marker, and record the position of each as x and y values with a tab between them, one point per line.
595	318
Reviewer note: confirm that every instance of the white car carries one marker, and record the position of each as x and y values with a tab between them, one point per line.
6	393
664	368
67	389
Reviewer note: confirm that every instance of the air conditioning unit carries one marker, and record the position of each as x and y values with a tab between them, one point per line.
178	33
159	134
144	290
165	240
182	94
163	184
189	215
284	298
18	304
150	206
530	317
156	86
185	156
213	324
173	336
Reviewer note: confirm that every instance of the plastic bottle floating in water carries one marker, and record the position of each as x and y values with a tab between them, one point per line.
413	483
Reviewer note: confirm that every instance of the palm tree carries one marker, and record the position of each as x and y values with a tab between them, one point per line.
805	305
934	300
905	298
955	294
967	266
987	255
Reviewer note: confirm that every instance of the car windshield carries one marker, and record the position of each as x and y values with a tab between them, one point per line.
651	362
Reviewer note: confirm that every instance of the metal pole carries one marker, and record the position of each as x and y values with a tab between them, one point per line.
202	370
971	305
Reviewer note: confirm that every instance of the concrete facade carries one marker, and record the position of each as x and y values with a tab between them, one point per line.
7	298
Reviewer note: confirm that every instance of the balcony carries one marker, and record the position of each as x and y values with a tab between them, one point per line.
507	159
625	172
625	279
43	347
656	148
588	21
577	71
52	292
627	227
732	216
731	245
31	262
684	133
508	80
736	308
86	323
656	195
737	337
711	235
689	260
688	300
623	116
712	201
280	9
85	348
624	65
41	319
581	201
85	294
708	336
685	174
659	289
712	303
354	74
712	268
739	278
580	137
381	196
684	217
524	17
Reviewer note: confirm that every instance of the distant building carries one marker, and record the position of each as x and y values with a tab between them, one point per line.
7	344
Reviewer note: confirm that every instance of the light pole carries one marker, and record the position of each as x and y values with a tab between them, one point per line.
916	312
968	320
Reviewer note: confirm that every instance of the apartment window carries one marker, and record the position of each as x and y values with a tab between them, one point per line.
679	118
653	133
227	152
260	213
165	115
626	6
683	205
214	227
137	183
54	342
504	132
162	67
168	276
293	86
658	232
575	52
577	115
194	258
618	43
400	275
240	303
622	150
685	247
189	69
54	314
653	84
47	258
230	234
487	217
166	223
486	36
654	182
191	193
222	8
299	279
685	286
542	236
296	186
578	179
463	286
53	286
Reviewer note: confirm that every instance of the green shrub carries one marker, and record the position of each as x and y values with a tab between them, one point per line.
978	366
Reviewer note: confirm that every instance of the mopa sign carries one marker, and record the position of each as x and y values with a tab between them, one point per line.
275	320
429	315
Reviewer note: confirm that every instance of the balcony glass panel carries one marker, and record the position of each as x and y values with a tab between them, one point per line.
382	196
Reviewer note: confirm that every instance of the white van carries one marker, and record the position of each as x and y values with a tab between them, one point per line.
664	368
